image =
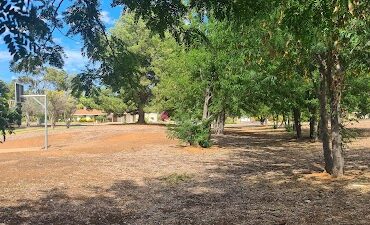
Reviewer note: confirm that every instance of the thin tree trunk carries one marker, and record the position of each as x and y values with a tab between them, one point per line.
220	123
207	99
68	123
319	134
335	87
67	120
313	123
27	119
297	122
141	113
52	121
276	121
324	130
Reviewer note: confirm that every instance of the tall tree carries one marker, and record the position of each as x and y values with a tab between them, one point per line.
339	43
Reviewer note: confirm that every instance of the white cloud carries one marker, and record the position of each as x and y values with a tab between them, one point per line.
104	16
5	56
58	40
74	62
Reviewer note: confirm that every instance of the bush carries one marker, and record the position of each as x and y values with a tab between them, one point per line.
101	118
289	128
193	132
85	119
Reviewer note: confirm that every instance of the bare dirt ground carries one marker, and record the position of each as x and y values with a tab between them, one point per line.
134	175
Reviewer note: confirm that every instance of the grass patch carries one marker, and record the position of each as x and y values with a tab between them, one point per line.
176	178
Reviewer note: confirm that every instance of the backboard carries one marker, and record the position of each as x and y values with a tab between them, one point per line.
19	92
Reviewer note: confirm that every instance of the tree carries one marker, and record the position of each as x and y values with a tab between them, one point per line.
135	87
60	105
30	109
56	79
56	105
126	64
8	117
200	81
114	103
57	86
339	44
69	109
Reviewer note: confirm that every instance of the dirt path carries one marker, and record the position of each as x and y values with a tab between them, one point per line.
135	175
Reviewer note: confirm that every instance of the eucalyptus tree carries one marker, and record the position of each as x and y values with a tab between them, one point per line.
135	85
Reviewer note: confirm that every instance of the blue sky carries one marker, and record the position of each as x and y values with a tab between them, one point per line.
74	62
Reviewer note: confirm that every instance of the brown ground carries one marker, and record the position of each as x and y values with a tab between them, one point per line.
134	175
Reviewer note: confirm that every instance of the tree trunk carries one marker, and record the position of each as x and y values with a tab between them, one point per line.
207	99
319	135
141	113
68	124
28	119
275	121
67	121
283	121
313	123
297	122
52	121
335	91
324	130
220	123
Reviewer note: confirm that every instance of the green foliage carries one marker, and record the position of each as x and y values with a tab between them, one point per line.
106	100
56	79
69	109
230	120
289	128
8	117
193	132
28	28
101	118
88	102
111	102
356	99
56	105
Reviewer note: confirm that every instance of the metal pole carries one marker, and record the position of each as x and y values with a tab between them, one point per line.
46	123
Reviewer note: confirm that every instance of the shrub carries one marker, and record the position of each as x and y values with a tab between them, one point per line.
86	119
193	132
289	128
101	118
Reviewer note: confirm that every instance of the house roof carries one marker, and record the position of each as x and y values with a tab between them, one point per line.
89	112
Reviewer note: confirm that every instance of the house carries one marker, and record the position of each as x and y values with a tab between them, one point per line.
132	118
88	115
